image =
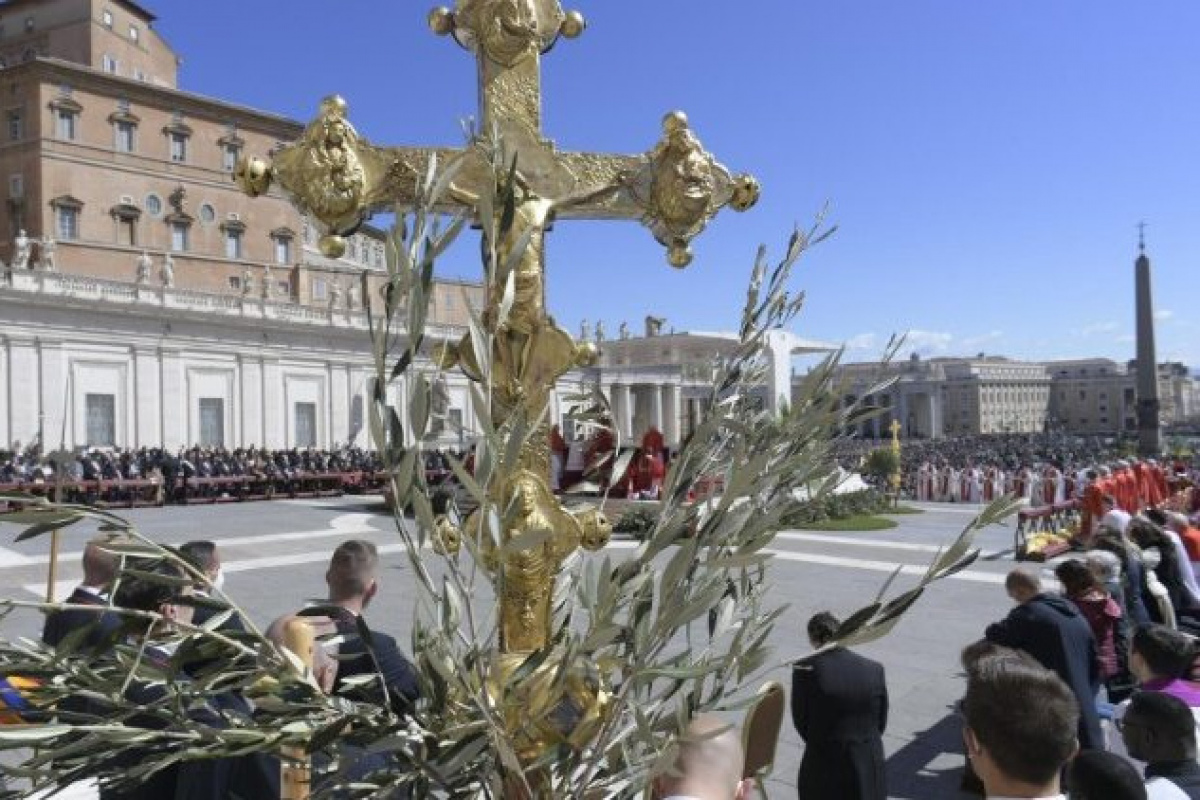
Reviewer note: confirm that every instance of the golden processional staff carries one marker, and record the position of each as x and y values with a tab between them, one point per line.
674	189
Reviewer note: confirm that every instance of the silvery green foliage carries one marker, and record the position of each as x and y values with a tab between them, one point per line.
677	627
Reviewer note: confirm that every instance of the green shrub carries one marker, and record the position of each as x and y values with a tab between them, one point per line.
636	522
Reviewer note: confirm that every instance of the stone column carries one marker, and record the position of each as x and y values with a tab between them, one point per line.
671	421
174	408
656	406
628	406
273	406
251	404
339	402
23	404
54	400
147	398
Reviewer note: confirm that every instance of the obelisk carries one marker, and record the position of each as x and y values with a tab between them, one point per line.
1149	430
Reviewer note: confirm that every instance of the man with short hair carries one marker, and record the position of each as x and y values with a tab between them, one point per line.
204	555
1051	629
708	766
840	710
1020	721
353	581
1160	730
99	571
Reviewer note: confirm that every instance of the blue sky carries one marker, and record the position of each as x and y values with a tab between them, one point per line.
986	161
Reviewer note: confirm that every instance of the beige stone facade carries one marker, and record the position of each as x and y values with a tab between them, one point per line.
103	155
951	396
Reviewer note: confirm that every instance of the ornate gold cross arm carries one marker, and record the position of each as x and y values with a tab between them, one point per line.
338	177
674	189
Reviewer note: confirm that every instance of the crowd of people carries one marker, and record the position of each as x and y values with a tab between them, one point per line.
96	618
30	466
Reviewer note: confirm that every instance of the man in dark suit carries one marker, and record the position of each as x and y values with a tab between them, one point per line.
246	777
840	708
353	580
1051	629
99	571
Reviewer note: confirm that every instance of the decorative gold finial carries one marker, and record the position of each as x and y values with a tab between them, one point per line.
253	175
573	25
746	191
441	21
332	246
679	254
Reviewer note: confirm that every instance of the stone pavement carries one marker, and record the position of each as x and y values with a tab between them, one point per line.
276	553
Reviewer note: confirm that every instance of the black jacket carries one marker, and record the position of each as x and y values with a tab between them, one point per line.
355	659
1184	774
840	709
1052	630
101	627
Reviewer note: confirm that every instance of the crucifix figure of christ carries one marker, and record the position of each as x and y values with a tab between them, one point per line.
674	189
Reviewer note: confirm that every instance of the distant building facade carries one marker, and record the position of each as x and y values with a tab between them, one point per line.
937	397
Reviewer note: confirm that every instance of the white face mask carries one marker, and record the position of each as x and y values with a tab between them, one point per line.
218	582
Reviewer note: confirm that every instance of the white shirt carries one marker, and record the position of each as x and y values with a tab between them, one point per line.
1163	789
1117	519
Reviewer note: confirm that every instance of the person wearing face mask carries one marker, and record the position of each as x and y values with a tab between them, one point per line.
204	556
253	775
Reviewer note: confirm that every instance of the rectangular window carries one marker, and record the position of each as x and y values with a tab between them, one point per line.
306	425
320	289
233	244
16	185
235	283
212	422
125	136
16	125
230	154
66	124
101	412
134	33
109	64
179	147
68	222
283	250
108	19
127	231
179	237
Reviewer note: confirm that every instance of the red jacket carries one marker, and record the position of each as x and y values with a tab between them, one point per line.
1103	614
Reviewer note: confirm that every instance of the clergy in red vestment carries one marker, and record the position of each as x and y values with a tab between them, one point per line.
1093	506
652	442
600	446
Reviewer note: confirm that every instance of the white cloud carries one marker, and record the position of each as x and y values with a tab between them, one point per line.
863	341
1125	338
1096	328
1163	314
972	342
926	342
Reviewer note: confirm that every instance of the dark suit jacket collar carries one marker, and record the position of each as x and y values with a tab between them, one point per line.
86	595
1174	769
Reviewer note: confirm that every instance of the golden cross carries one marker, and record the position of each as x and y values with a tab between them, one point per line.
675	188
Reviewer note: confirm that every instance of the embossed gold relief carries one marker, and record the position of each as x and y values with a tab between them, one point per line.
538	534
682	187
507	31
339	178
